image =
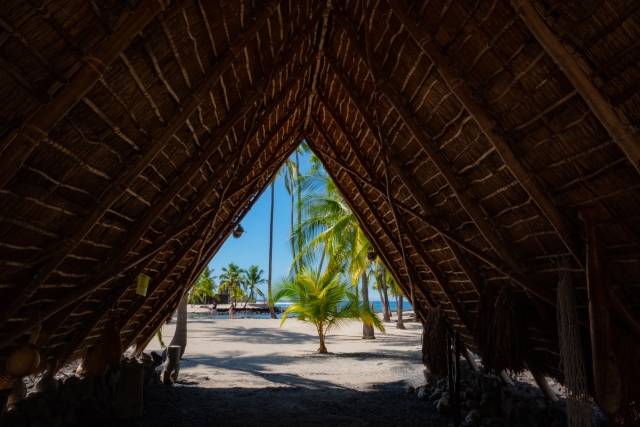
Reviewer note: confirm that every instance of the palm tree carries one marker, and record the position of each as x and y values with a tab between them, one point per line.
232	278
380	277
325	300
395	291
252	278
205	286
331	229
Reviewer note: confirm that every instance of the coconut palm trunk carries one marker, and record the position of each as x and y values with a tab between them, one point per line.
323	348
367	330
399	302
272	311
180	335
386	310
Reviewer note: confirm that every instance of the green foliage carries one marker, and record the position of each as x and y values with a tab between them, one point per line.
159	334
205	286
233	279
251	279
325	300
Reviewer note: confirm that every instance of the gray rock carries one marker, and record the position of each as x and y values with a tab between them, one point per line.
537	405
422	394
507	407
435	396
409	389
72	413
520	411
14	419
86	387
489	408
486	422
490	383
473	404
443	406
473	418
499	421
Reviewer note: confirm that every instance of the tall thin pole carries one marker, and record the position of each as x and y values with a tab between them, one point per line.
269	293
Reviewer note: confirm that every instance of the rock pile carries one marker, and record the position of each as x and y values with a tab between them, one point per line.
80	400
485	401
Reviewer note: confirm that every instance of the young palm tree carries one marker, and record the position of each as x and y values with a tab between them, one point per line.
395	291
232	278
252	278
205	286
331	229
325	300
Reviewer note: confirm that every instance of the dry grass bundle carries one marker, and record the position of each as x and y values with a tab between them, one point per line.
508	336
434	343
572	362
484	319
628	358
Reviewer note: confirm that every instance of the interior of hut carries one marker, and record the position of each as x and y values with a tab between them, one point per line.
487	147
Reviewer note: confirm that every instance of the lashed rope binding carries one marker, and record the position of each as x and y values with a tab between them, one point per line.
572	365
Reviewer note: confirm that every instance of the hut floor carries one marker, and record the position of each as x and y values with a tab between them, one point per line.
251	372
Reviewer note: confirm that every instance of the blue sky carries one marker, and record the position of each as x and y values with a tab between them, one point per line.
253	247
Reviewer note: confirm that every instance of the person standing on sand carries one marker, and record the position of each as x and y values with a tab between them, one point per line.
231	311
214	309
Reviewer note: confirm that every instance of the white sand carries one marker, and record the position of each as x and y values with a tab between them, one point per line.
256	353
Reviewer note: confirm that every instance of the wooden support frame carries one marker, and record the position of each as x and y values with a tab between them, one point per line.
606	374
118	186
383	226
161	315
435	271
26	141
622	134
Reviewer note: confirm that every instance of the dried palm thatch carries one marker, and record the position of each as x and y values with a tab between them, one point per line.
508	336
572	362
434	343
482	335
135	135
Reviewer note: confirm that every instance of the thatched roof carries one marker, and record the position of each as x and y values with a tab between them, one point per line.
135	135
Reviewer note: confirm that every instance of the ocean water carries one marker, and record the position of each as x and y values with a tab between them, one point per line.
377	307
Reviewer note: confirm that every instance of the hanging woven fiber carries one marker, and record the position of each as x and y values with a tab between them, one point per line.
434	343
484	318
628	358
572	365
509	336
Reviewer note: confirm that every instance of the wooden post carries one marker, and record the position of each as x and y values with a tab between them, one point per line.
606	375
622	134
456	392
171	365
128	403
25	142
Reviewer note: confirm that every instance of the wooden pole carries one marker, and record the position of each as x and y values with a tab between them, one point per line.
621	133
26	141
383	226
456	392
565	230
115	190
606	375
153	323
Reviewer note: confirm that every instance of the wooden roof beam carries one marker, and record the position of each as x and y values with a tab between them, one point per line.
80	337
447	172
619	132
566	231
316	71
25	142
383	225
623	134
435	271
118	187
169	308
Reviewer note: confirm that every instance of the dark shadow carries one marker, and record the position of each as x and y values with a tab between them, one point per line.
318	405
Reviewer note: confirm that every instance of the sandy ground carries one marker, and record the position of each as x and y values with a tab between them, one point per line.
251	371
